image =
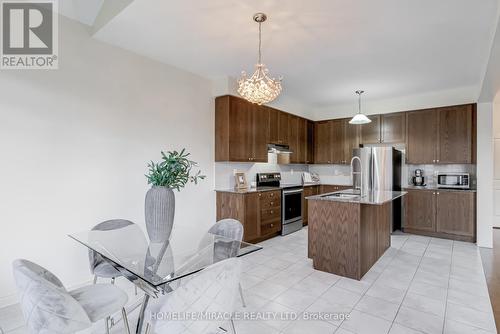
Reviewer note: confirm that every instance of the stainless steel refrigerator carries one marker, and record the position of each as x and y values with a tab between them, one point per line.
381	170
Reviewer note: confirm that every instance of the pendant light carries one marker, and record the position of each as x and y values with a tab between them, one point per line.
259	88
360	118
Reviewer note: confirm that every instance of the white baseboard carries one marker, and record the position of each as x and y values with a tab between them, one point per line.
13	298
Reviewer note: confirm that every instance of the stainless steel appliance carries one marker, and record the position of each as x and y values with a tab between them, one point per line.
291	207
268	180
291	200
418	178
453	180
380	170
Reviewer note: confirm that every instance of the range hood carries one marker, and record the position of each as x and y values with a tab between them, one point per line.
278	154
278	149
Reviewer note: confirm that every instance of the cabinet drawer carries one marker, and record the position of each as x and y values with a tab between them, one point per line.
271	195
273	203
271	227
270	214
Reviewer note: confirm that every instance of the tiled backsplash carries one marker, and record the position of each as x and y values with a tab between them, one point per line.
224	176
329	174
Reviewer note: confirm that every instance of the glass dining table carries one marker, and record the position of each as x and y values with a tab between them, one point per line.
156	268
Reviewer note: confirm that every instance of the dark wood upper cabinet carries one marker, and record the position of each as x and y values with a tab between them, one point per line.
310	142
393	128
241	135
302	140
260	120
420	210
455	134
322	140
370	133
441	136
421	136
241	130
293	138
337	142
456	212
351	139
283	124
274	115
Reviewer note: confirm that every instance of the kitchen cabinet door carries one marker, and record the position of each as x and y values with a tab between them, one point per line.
293	138
456	212
370	133
455	134
310	143
274	116
337	142
302	141
260	120
241	131
420	210
322	140
351	140
251	224
283	123
393	128
421	136
308	191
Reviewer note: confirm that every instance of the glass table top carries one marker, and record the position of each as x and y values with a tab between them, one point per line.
160	263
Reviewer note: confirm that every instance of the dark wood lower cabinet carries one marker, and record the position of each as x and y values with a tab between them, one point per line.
330	188
259	212
455	213
308	191
441	213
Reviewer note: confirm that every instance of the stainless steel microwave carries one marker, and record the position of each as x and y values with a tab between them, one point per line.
453	180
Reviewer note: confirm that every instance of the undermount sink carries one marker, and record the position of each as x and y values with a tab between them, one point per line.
342	195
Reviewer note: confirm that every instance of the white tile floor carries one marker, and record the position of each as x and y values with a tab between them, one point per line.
420	285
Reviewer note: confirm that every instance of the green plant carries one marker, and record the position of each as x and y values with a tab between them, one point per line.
174	171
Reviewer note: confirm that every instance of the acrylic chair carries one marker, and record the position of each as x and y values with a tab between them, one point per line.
49	308
211	291
231	229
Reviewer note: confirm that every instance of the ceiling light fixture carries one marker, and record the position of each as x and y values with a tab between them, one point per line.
259	88
360	118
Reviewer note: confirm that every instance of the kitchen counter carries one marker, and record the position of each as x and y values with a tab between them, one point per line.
434	188
261	189
346	236
372	198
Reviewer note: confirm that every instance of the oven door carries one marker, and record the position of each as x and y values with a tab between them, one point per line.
292	205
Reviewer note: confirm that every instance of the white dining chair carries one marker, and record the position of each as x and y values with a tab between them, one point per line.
49	308
211	291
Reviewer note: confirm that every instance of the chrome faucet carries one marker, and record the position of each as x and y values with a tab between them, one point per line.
357	173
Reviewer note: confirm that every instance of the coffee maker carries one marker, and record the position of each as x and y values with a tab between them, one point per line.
418	180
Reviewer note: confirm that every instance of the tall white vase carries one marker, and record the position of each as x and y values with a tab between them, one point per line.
159	213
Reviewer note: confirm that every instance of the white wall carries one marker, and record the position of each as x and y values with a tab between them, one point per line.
74	144
496	147
484	174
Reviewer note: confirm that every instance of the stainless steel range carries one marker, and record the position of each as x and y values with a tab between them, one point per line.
291	201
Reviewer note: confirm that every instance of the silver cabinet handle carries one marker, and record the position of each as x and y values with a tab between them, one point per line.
437	160
437	193
272	225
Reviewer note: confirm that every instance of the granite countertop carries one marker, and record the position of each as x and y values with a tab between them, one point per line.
372	198
437	189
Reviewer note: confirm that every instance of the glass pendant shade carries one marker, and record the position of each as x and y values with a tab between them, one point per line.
360	118
259	88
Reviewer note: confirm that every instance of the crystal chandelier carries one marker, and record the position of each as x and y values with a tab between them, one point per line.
359	118
259	88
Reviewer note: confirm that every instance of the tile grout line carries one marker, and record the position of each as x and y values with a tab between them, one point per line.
448	287
411	281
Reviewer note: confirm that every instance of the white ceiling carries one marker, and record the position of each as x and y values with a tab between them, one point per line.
324	49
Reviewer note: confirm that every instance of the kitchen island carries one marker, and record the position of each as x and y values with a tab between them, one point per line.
348	233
